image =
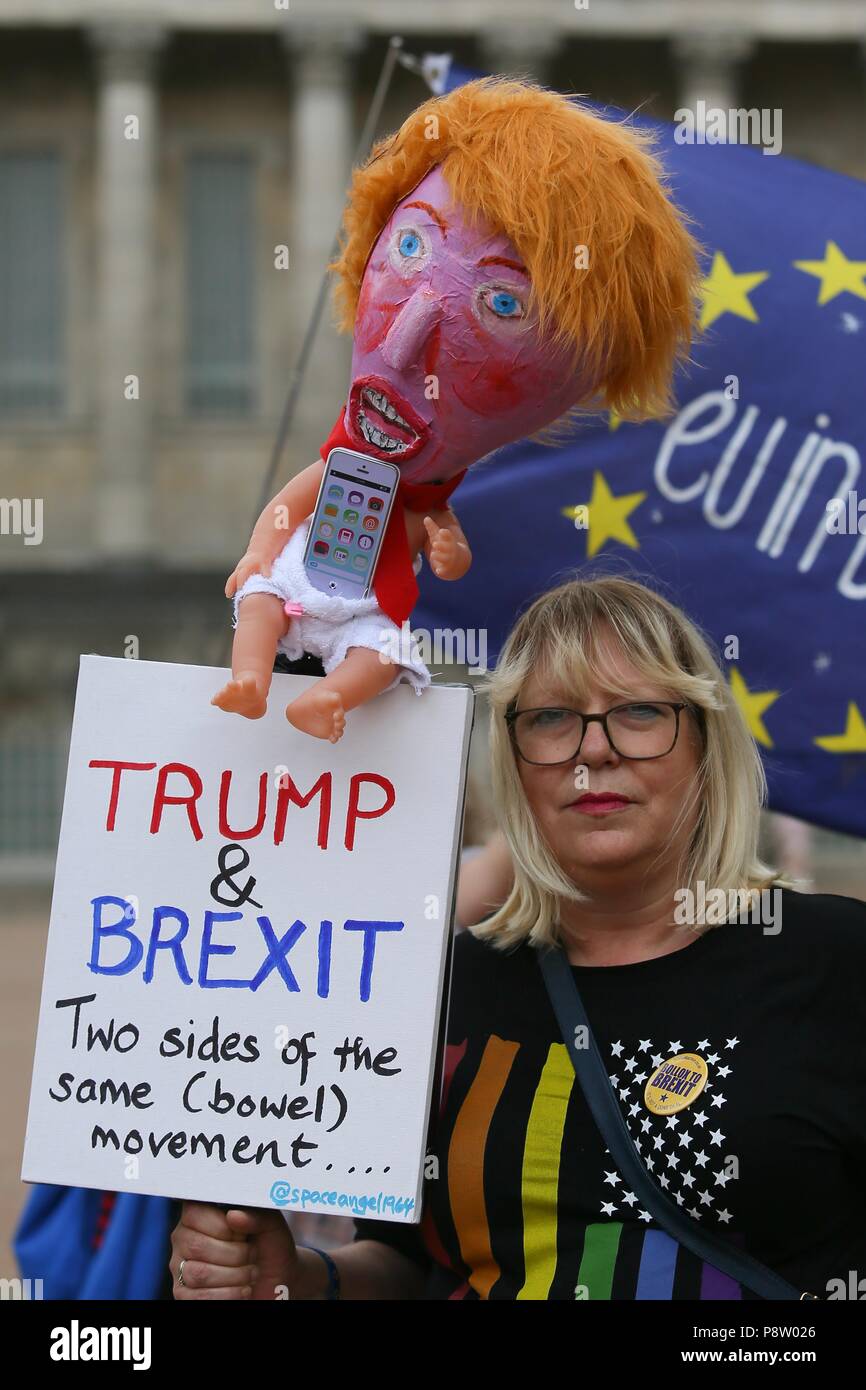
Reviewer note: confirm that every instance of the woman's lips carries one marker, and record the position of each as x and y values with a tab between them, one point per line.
600	805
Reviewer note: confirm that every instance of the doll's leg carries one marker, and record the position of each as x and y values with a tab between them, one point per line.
321	710
262	621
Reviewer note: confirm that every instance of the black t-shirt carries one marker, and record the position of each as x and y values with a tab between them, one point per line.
767	1151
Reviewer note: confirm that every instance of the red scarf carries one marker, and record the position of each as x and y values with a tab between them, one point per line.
394	584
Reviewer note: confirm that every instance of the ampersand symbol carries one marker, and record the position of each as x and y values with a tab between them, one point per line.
226	875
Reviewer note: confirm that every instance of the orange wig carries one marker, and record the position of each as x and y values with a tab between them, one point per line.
554	178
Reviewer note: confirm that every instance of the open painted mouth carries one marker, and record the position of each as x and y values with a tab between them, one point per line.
387	425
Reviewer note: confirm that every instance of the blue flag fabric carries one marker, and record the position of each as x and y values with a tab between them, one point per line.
725	506
56	1242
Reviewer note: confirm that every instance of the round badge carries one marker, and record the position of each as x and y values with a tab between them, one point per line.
676	1083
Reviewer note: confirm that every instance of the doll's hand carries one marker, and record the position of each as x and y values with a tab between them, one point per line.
254	562
444	551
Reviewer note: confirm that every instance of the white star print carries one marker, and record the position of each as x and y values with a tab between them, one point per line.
631	1064
644	1045
676	1046
657	1060
663	1180
641	1076
731	1042
704	1042
672	1121
616	1049
673	1161
658	1140
724	1071
713	1058
716	1136
719	1100
722	1177
645	1216
699	1118
724	1216
608	1208
614	1080
613	1178
678	1198
685	1139
634	1109
630	1198
624	1090
688	1179
650	1164
693	1211
701	1158
705	1197
645	1124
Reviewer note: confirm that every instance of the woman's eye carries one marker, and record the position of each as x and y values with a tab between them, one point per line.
409	245
503	303
644	713
547	717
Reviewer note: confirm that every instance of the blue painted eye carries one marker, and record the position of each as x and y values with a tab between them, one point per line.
409	244
505	305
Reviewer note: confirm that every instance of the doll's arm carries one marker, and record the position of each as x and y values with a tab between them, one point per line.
446	547
282	515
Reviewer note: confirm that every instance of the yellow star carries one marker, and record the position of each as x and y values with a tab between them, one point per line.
854	738
753	704
725	291
607	516
613	420
836	273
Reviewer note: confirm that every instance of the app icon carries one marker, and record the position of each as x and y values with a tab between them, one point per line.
326	530
346	535
320	547
375	504
329	509
365	542
355	499
360	561
370	523
335	490
350	515
340	555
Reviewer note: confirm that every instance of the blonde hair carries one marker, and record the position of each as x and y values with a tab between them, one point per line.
559	635
552	176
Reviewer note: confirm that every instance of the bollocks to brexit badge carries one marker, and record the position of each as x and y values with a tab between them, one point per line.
676	1083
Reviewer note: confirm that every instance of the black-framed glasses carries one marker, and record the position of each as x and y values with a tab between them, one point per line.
639	730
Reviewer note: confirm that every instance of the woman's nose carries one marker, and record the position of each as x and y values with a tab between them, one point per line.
596	745
405	339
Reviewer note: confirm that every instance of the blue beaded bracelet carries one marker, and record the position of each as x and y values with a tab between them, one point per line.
333	1290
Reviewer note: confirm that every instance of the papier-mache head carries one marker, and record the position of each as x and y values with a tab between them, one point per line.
508	258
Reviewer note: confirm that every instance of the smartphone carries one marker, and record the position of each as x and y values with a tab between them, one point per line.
352	510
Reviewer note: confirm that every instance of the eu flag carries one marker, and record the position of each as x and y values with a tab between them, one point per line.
744	508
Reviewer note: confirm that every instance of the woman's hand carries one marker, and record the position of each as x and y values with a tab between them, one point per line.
235	1254
254	562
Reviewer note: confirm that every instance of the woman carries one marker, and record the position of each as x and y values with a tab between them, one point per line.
609	820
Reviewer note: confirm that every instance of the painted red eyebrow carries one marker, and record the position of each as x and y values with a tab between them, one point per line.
503	260
437	216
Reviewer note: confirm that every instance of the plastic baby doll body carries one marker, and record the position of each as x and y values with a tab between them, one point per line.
262	621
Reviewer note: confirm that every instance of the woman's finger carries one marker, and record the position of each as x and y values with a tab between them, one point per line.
198	1274
206	1218
185	1295
194	1245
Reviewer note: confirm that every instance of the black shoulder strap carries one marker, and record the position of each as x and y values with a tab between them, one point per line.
596	1087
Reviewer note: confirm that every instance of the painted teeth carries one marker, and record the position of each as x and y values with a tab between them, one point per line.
373	435
384	406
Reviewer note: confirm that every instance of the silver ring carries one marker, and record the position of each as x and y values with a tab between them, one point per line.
180	1273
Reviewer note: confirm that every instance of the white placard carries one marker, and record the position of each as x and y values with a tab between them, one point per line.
277	1050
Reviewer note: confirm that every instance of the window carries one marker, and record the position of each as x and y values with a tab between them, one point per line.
31	284
220	284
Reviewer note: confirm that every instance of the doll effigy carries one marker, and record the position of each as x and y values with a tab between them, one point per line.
508	261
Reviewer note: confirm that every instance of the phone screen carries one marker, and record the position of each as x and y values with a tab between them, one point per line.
347	528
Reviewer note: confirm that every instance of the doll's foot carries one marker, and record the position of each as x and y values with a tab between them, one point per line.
244	695
320	713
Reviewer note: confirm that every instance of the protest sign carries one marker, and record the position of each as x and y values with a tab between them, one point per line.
247	945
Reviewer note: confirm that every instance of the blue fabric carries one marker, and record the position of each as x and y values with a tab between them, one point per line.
761	568
54	1243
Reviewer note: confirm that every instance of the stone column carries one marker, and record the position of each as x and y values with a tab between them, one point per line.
324	133
125	306
708	66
